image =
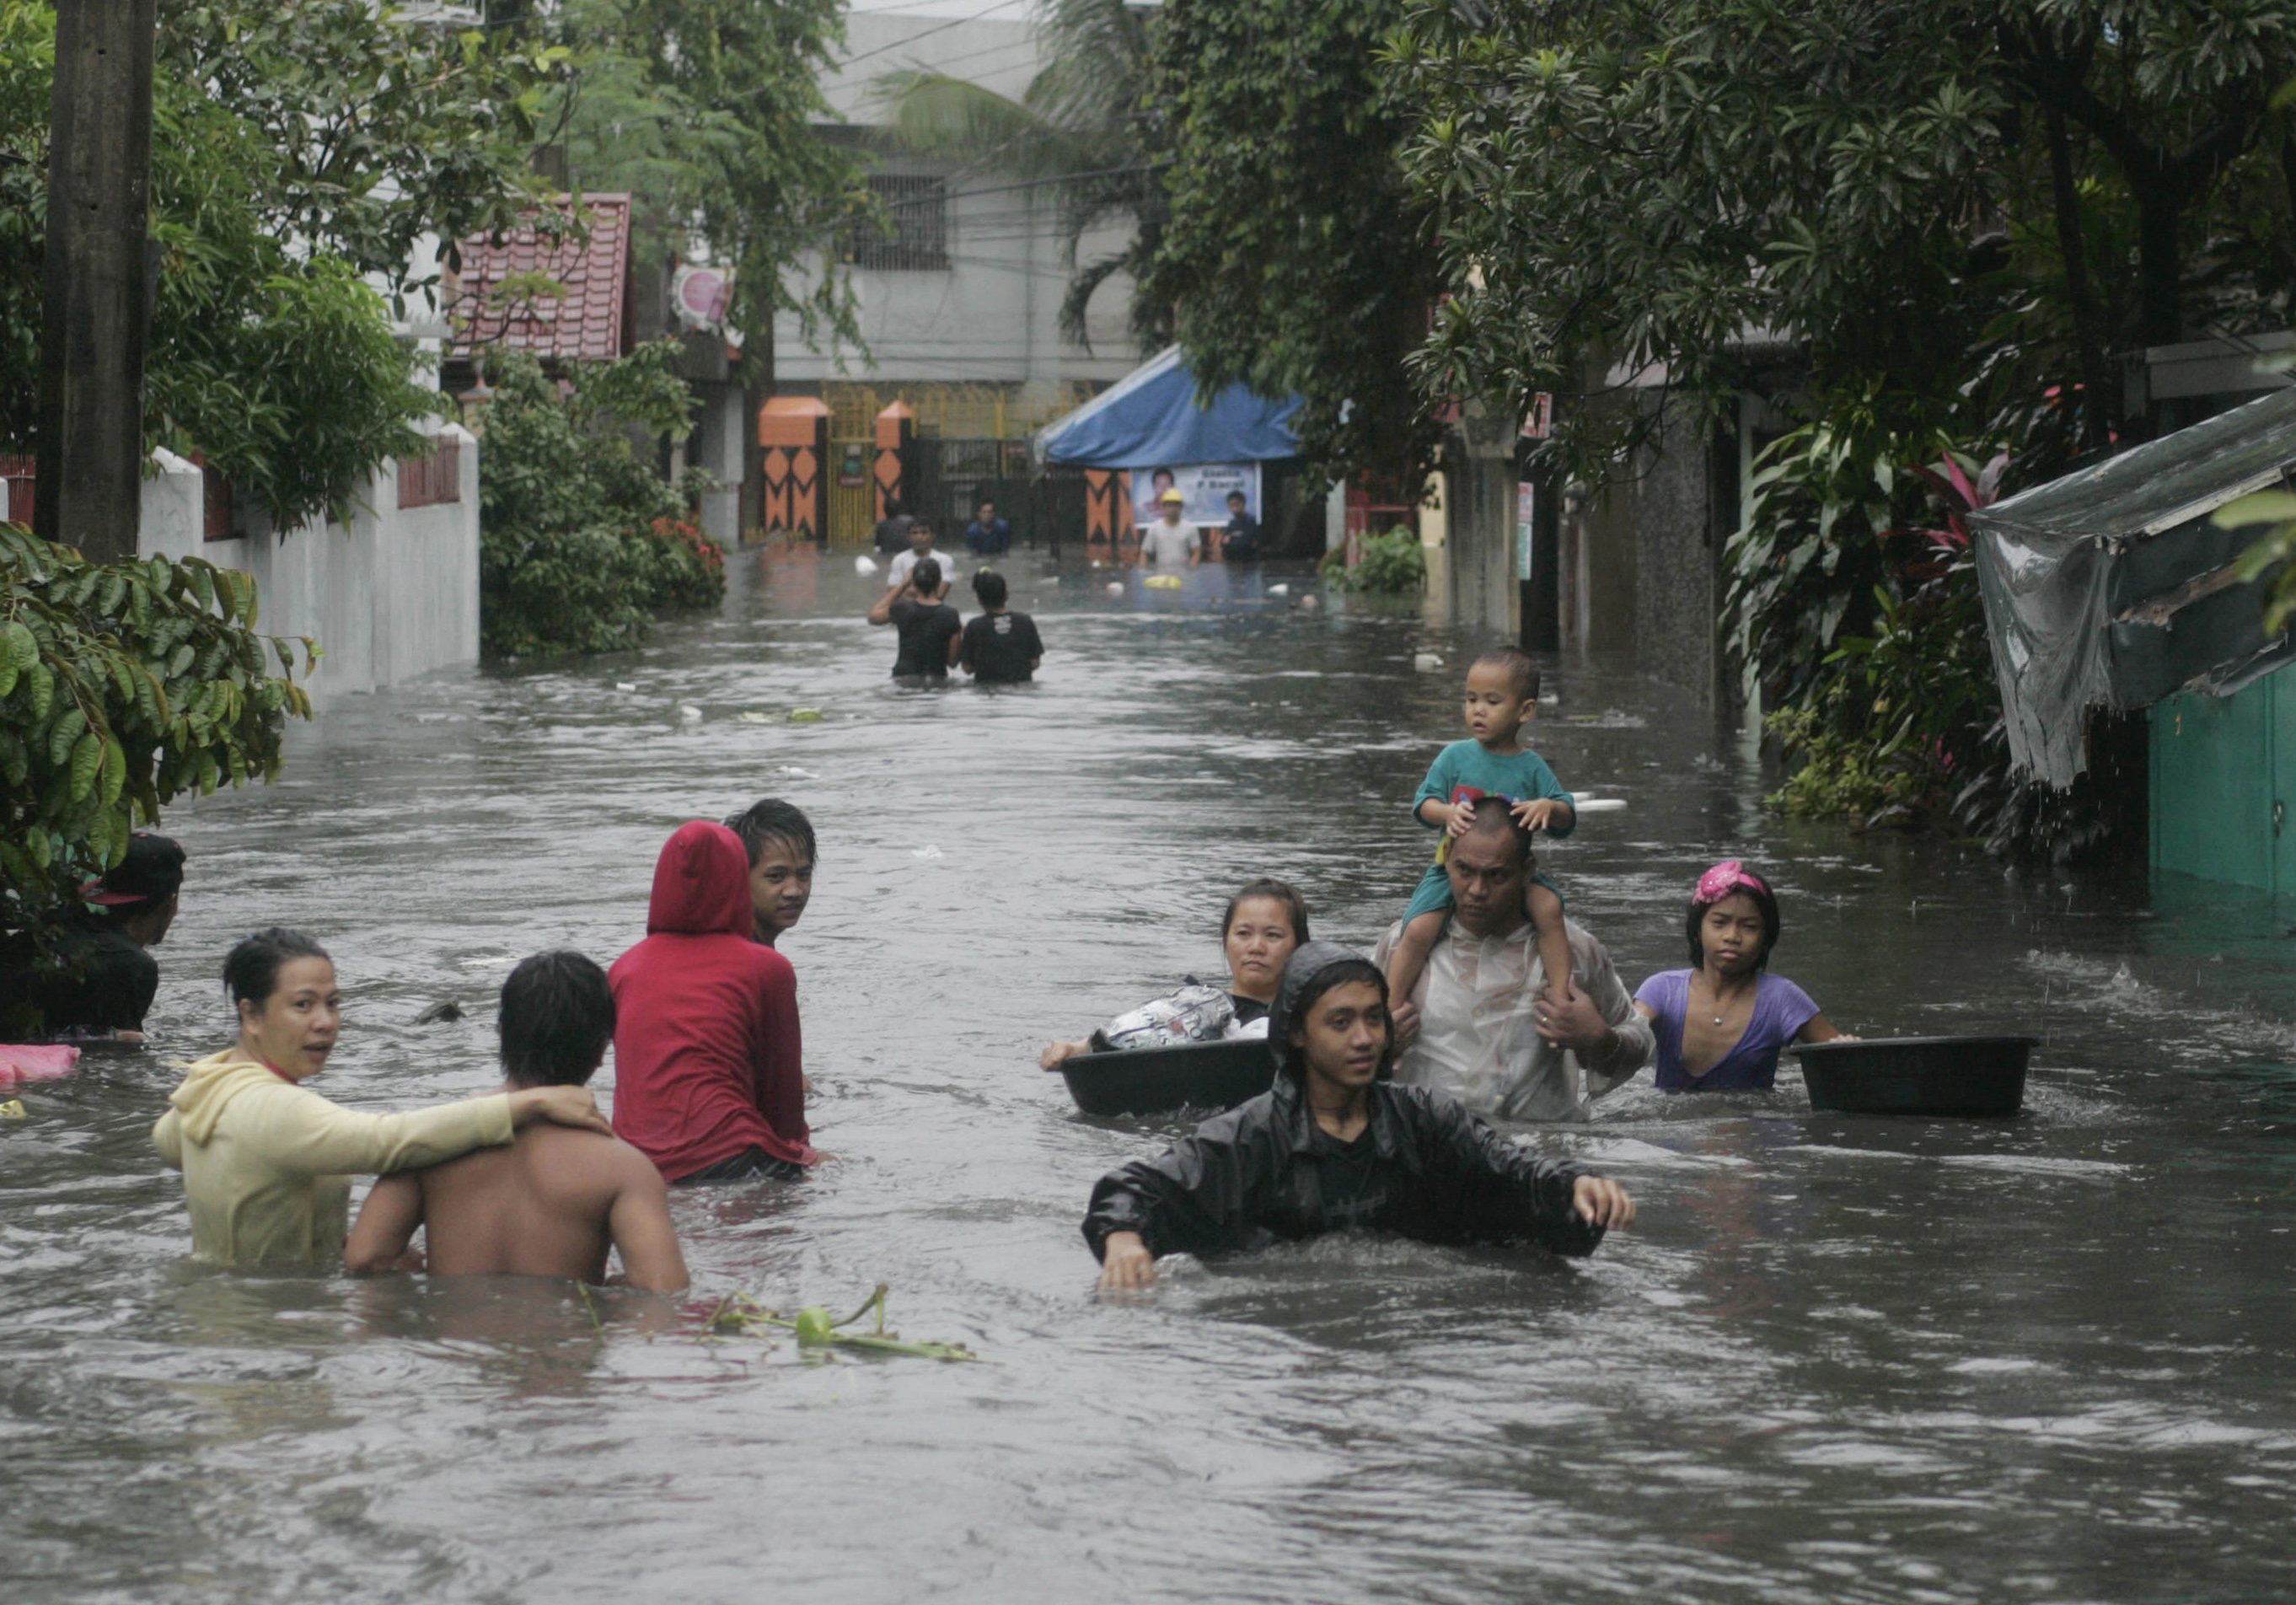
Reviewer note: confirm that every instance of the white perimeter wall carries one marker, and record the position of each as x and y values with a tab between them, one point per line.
394	595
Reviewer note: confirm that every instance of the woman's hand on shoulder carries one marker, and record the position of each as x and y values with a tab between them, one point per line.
560	1106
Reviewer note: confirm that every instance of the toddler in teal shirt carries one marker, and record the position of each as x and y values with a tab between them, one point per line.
1502	695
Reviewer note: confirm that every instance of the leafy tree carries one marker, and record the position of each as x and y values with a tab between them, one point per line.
580	542
1084	135
709	112
122	686
298	146
1297	256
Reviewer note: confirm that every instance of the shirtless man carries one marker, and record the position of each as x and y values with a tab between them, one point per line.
552	1202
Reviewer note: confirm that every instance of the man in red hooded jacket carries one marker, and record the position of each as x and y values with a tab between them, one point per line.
709	1078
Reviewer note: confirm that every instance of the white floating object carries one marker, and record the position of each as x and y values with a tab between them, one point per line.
689	714
1426	663
1598	805
1116	587
624	686
864	564
1279	589
750	716
927	852
795	773
1309	602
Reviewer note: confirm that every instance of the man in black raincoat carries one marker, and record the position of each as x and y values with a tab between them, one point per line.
1334	1145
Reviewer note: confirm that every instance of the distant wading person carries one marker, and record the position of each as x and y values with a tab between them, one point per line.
1722	1023
103	978
927	626
554	1201
997	646
266	1163
1335	1146
708	1075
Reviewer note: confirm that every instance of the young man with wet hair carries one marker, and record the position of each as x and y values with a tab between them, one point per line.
556	1199
97	979
998	647
778	838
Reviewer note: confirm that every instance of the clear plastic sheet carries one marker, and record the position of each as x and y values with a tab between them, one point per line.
2110	587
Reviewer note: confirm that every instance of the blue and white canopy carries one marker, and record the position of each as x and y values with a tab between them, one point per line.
1150	418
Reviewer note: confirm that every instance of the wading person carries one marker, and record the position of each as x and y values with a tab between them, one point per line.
1334	1146
926	628
1264	923
98	979
1721	1023
921	550
1501	696
1239	540
892	531
778	838
997	646
554	1202
988	535
708	1078
266	1162
1476	1025
1169	542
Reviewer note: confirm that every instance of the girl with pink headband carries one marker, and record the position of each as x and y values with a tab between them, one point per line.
1722	1023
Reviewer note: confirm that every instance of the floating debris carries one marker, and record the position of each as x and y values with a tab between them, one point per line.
739	1315
750	716
13	1109
864	564
442	1013
805	716
1116	587
689	714
1279	589
1163	582
1427	663
624	685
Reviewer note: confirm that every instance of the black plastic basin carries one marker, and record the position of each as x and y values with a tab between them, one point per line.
1976	1076
1150	1081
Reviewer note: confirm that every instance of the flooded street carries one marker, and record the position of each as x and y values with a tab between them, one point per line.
1838	1359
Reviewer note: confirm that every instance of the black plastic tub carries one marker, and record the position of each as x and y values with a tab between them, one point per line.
1983	1076
1150	1081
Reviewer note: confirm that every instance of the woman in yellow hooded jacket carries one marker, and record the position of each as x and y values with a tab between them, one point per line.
267	1163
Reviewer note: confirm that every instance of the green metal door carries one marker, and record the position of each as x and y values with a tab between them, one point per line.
2219	766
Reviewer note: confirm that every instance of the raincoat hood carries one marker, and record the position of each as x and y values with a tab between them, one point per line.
209	1086
700	884
1307	963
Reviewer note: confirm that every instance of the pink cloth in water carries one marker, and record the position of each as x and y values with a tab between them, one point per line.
30	1063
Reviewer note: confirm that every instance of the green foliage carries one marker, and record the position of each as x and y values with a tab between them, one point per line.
2272	514
1296	255
1083	135
122	686
297	146
709	112
580	542
1393	564
1651	183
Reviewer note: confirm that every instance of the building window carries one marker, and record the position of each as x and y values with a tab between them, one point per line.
917	209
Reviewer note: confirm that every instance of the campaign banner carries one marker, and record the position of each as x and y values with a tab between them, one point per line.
1205	485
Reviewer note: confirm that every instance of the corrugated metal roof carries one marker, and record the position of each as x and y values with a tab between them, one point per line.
583	324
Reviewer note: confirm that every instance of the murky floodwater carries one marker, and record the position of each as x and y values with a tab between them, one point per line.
1837	1360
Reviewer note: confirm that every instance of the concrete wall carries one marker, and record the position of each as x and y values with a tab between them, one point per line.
393	595
1478	496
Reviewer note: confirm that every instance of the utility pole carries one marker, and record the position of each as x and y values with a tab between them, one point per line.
95	317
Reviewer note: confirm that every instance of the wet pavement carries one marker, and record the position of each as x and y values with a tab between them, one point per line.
1838	1359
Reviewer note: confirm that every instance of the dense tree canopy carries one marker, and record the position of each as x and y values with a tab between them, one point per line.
1297	257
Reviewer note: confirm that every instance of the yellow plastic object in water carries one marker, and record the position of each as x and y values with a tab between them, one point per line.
13	1109
1163	582
805	716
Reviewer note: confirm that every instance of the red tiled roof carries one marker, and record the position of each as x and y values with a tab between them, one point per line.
585	323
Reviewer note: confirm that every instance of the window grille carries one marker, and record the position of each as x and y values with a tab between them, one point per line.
917	209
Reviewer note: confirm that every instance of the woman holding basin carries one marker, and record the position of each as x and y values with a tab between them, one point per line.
1265	922
1722	1023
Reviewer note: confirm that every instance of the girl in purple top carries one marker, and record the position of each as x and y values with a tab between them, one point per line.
1722	1023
